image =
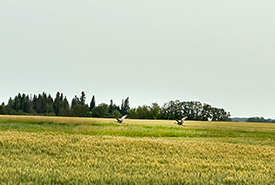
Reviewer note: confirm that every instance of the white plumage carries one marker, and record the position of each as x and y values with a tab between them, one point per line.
120	120
180	122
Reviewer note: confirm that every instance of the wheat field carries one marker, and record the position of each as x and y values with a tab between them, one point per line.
56	150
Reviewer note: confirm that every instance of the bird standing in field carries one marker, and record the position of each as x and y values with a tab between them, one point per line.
120	120
180	122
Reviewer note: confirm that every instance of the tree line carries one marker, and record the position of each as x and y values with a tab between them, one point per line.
260	120
45	104
176	109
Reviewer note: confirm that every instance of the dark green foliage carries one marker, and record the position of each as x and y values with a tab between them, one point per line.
3	109
125	106
82	98
111	107
142	112
101	110
145	112
79	108
173	110
155	111
194	110
65	108
60	105
57	103
260	119
116	114
43	104
80	111
28	105
22	104
75	101
92	103
114	110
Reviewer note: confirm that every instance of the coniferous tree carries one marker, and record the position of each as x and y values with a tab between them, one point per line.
29	105
49	107
65	109
66	104
59	103
114	110
40	105
44	104
34	103
23	103
11	103
111	106
17	102
56	105
125	106
82	98
79	108
92	103
75	101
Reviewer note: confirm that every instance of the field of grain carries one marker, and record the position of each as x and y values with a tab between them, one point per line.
56	150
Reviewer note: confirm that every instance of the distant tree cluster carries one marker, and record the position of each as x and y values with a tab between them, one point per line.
44	104
260	119
194	110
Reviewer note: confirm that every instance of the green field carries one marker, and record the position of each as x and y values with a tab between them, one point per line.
59	150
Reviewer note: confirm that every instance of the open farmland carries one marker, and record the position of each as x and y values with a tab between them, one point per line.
59	150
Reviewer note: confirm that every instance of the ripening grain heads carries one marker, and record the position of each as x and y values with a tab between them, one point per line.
64	158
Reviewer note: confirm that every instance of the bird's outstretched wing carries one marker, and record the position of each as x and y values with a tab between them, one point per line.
123	117
184	118
180	122
120	120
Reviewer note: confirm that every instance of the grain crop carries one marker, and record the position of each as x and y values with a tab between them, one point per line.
37	154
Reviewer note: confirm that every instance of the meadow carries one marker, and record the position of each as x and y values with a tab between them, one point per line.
62	150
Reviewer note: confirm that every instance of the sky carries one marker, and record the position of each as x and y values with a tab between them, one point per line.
215	52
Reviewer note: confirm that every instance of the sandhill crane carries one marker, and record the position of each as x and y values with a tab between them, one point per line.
120	120
180	122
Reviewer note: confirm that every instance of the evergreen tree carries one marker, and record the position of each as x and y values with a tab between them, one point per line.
34	103
125	106
75	101
11	103
23	103
92	103
17	102
49	107
82	98
56	104
41	104
114	110
66	104
65	109
111	106
28	105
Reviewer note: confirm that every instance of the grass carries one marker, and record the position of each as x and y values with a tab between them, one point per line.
56	150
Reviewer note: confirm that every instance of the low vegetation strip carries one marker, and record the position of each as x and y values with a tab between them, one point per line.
240	126
148	128
80	159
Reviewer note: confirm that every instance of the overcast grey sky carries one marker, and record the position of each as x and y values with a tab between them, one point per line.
216	52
